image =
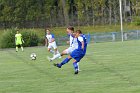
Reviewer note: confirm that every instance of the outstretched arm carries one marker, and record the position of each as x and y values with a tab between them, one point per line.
46	42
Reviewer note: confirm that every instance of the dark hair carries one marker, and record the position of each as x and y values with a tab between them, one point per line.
79	31
70	28
47	29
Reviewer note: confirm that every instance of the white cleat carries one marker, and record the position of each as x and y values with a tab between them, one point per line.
79	70
49	58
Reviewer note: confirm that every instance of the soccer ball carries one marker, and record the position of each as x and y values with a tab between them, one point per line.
33	56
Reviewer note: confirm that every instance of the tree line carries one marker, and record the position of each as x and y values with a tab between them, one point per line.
42	13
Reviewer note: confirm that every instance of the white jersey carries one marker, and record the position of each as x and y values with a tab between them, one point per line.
50	37
71	40
74	43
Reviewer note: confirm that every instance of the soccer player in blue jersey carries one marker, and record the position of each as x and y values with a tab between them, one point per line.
77	54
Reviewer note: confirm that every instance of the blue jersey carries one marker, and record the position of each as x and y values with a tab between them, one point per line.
79	53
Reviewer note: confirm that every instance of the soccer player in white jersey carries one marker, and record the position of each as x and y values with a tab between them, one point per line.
73	44
50	42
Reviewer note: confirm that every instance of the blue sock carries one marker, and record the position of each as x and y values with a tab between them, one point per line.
66	60
75	66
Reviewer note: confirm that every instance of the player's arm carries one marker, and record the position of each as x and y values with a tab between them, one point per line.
22	39
68	42
52	40
15	39
46	42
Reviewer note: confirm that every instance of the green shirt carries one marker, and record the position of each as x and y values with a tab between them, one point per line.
18	39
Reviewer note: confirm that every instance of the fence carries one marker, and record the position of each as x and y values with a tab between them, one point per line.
105	37
116	36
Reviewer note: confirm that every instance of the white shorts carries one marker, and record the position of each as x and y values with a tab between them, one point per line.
69	50
52	45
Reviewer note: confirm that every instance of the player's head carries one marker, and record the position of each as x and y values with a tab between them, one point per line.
70	29
17	31
47	31
78	33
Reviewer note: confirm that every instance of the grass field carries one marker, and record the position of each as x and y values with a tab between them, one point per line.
59	31
112	67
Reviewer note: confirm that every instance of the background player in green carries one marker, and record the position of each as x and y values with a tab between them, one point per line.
18	41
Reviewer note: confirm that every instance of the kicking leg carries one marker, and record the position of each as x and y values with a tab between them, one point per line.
58	55
66	60
50	50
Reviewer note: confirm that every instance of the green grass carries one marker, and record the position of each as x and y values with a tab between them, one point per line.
107	68
59	31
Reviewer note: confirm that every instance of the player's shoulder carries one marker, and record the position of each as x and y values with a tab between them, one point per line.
83	35
52	35
80	38
20	34
16	35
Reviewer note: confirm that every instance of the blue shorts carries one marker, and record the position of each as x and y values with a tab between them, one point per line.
77	54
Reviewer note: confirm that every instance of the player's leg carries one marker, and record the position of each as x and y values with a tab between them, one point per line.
56	52
76	67
65	52
79	62
21	47
50	48
16	48
55	48
17	44
77	56
58	55
66	60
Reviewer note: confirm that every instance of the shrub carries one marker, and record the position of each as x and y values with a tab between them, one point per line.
8	39
30	38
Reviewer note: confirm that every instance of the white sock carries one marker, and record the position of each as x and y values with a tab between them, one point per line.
57	52
56	56
16	48
51	51
78	66
22	48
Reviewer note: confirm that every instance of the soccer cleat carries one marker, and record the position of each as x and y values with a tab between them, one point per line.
57	65
49	58
79	70
76	72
